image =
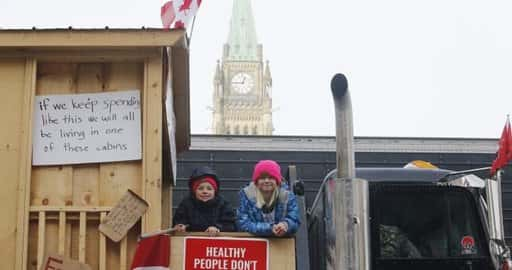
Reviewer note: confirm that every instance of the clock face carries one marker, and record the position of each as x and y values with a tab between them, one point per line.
242	83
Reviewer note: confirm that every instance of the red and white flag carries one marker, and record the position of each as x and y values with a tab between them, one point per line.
178	13
152	253
505	151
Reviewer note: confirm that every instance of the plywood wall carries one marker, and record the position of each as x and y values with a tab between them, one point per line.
80	195
15	93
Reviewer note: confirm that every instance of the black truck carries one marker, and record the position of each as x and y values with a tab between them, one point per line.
399	218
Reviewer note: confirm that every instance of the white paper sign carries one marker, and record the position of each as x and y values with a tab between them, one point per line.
86	128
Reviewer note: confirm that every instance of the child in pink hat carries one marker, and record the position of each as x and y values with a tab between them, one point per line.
267	207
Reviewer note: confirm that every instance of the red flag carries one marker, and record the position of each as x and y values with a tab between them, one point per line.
152	253
505	150
178	13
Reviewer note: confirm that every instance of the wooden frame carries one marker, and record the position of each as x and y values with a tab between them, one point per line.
59	207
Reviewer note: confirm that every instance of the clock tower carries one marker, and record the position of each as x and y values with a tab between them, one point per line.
242	98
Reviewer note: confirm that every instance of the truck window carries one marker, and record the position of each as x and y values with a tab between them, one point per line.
425	222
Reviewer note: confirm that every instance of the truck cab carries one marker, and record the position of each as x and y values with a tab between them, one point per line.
417	219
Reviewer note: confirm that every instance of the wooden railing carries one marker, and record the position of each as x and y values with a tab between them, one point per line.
64	220
88	218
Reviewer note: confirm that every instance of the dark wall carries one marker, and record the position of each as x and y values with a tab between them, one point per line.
235	169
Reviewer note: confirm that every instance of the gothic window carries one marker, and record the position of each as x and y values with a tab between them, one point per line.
228	130
255	130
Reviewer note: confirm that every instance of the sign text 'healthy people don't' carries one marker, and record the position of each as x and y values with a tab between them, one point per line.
202	253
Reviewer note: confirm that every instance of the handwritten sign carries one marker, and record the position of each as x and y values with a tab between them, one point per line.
225	253
58	262
86	128
123	216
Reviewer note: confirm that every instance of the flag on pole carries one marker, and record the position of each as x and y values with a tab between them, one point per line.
504	154
178	13
152	253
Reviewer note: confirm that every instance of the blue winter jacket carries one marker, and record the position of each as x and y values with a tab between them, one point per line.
250	217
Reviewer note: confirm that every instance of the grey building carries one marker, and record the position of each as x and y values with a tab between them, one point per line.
233	157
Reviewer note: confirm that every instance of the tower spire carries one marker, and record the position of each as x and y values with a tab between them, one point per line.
242	42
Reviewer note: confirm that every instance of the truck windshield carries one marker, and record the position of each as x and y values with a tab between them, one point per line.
425	222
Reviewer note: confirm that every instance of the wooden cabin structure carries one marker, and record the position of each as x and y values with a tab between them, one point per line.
57	208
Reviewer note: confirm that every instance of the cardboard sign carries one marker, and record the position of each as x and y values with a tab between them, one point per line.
58	262
123	216
225	253
86	128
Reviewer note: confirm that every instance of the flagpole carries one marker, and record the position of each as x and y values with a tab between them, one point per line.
191	31
146	235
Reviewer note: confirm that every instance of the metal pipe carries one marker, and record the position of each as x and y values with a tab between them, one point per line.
344	129
343	253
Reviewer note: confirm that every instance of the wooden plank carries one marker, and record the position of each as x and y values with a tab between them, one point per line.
152	144
166	205
41	239
102	251
82	56
105	38
13	90
88	78
70	208
51	185
62	232
24	181
123	260
69	233
81	237
92	240
181	92
117	177
113	254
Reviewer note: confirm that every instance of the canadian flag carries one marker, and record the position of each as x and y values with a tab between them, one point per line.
152	253
504	154
178	13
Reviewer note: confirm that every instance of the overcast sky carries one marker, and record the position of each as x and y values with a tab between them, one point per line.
415	68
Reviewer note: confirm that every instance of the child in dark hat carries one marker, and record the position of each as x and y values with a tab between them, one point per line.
204	210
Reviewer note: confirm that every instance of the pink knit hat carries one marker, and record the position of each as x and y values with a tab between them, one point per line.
267	166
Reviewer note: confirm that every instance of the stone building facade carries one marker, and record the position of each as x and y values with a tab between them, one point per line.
242	98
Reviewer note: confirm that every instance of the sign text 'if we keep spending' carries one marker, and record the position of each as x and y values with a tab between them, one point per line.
86	128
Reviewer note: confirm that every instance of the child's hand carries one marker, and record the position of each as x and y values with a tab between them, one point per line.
212	231
280	228
180	227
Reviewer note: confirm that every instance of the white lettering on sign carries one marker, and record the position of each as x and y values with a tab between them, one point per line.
225	252
86	128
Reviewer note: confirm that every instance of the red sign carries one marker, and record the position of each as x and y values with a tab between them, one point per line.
219	253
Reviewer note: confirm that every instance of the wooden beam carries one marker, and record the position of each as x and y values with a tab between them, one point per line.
123	252
81	237
181	92
106	38
82	55
41	239
102	252
152	144
42	208
62	232
25	168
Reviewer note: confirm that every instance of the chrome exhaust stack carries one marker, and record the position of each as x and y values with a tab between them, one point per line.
349	214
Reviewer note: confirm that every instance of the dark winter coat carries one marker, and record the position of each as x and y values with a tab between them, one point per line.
200	215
